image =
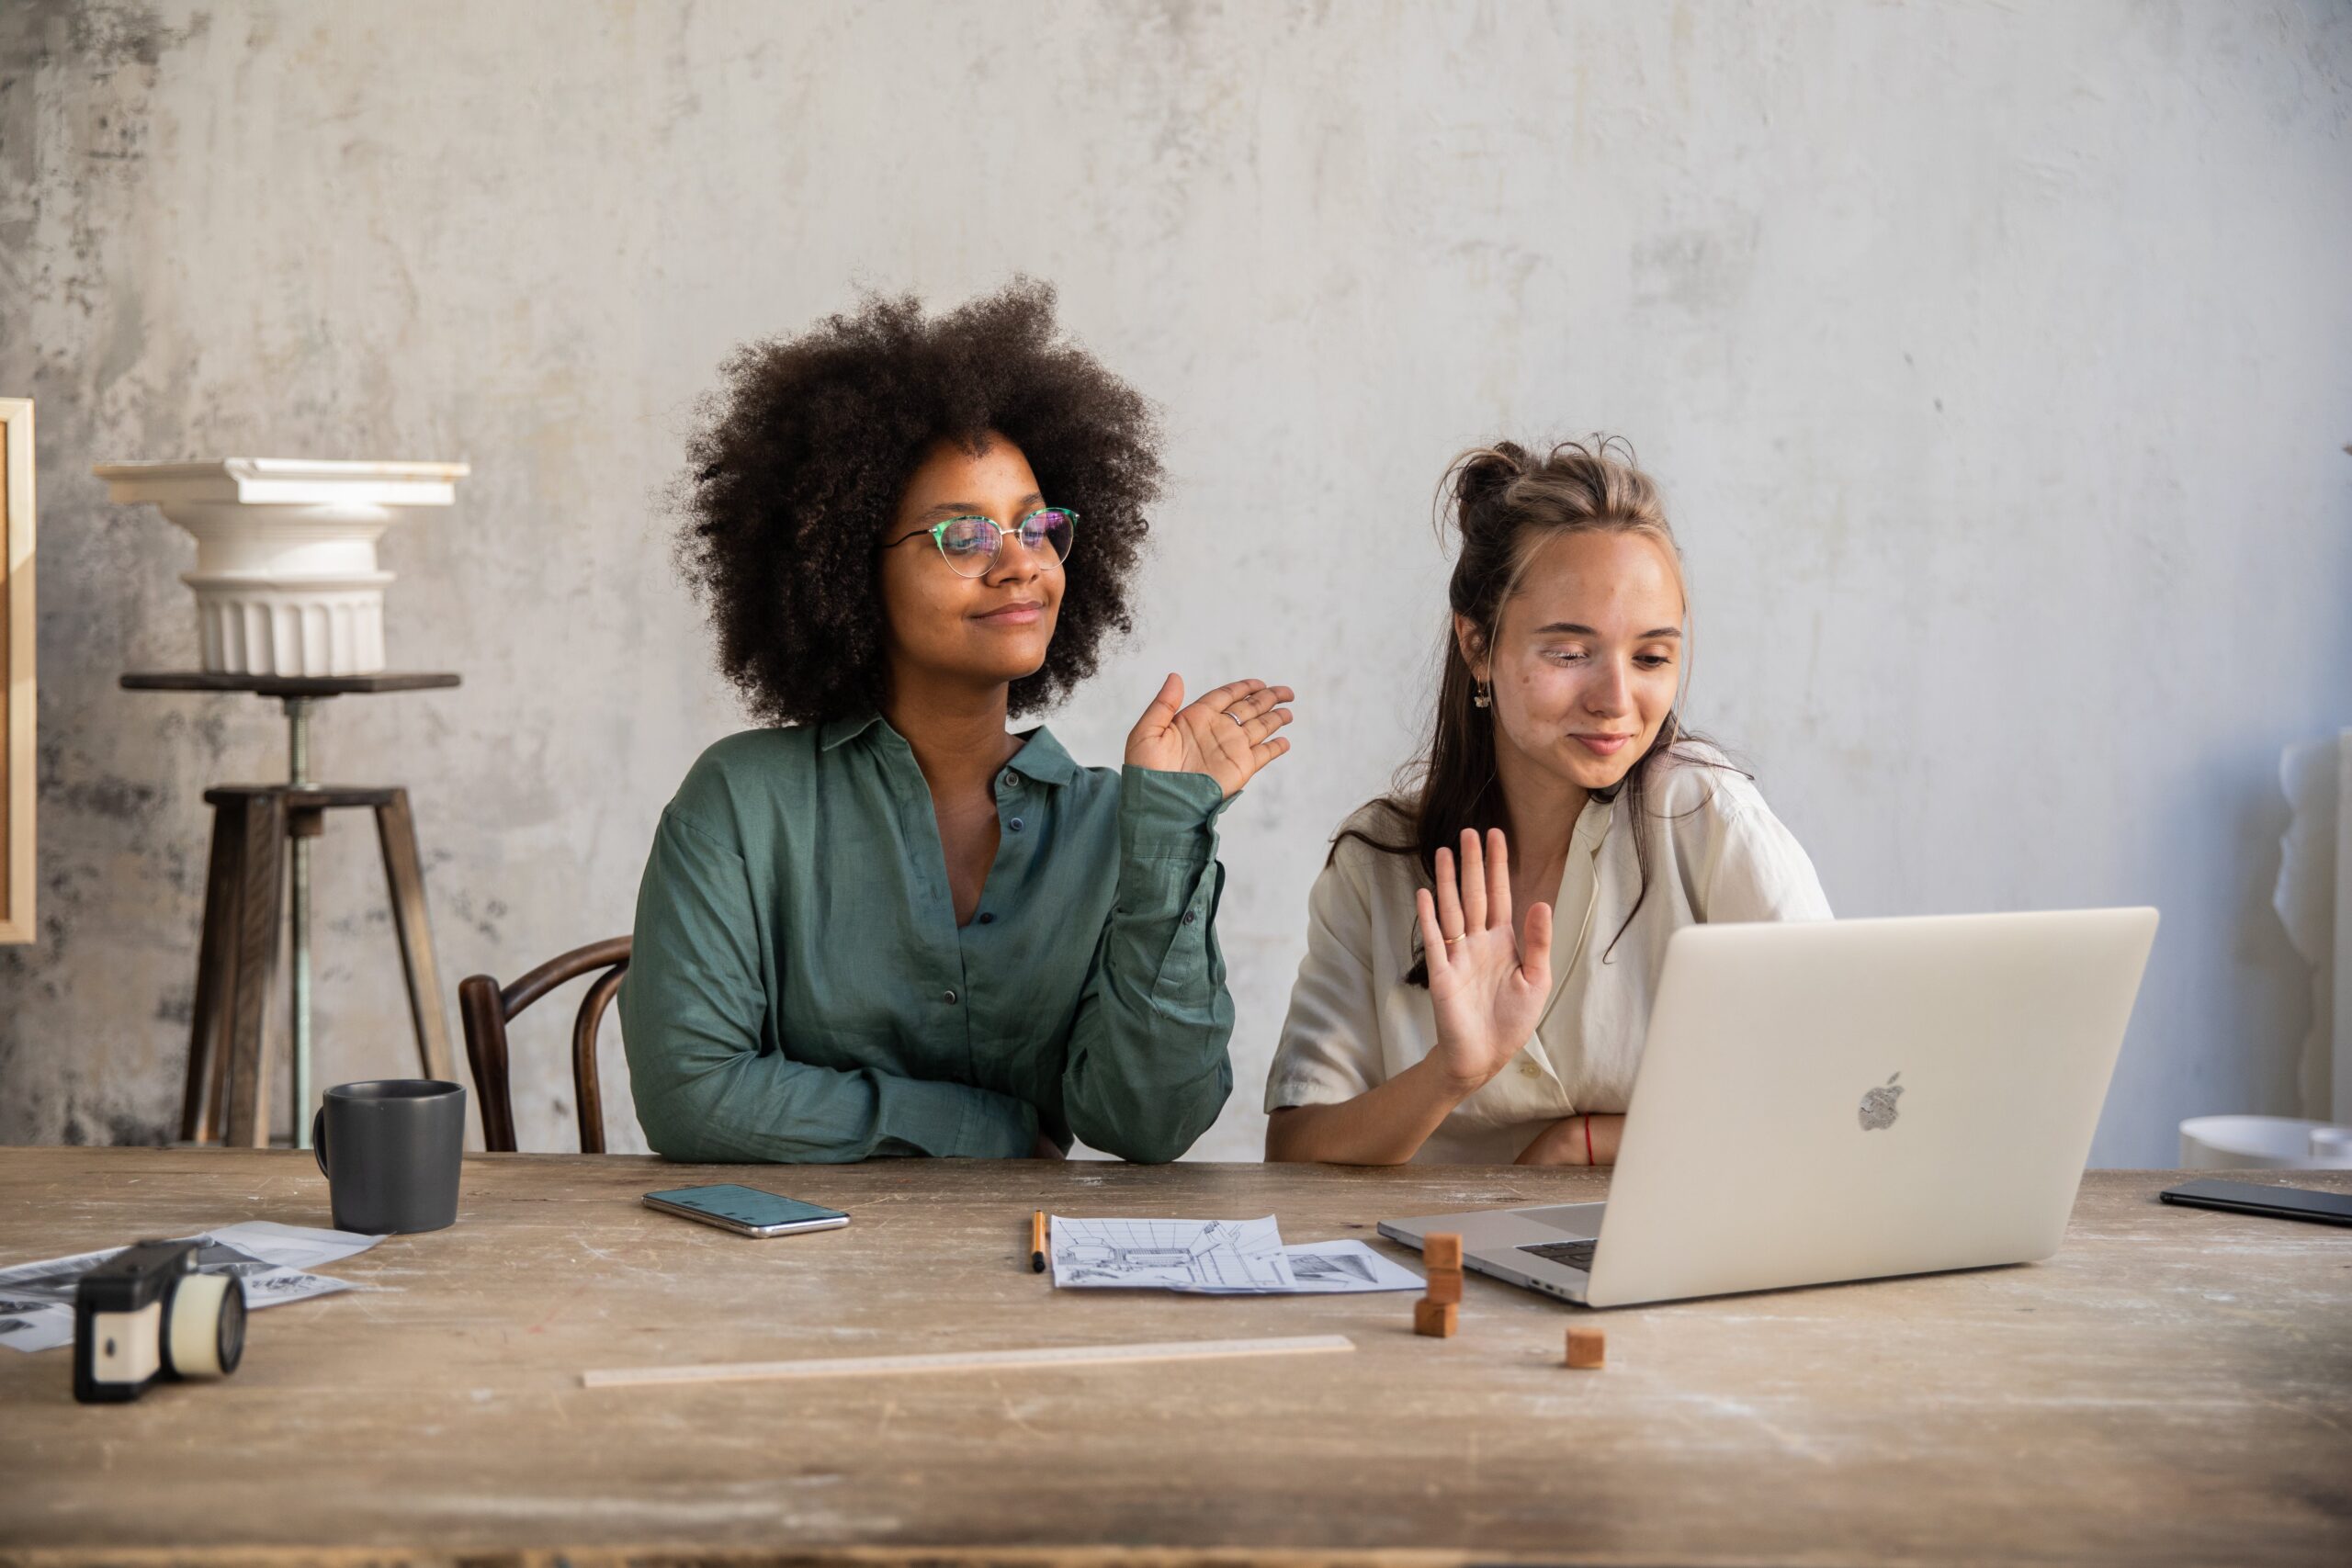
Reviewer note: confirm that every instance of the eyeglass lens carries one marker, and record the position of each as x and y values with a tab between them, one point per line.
970	544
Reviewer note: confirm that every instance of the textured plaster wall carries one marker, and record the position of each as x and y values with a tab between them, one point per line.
1997	359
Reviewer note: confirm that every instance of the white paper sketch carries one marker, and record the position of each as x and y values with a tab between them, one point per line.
1338	1267
1243	1255
37	1299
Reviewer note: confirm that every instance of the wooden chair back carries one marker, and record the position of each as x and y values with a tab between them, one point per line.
487	1007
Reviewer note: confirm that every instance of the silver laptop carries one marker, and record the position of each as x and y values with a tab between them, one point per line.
1842	1099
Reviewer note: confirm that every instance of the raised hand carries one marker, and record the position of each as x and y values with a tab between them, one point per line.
1487	996
1228	735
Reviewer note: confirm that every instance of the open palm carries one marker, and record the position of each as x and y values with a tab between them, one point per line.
1487	996
1228	735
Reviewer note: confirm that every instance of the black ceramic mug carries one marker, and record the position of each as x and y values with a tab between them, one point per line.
389	1150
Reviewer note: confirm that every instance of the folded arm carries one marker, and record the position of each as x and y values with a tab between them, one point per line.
1385	1125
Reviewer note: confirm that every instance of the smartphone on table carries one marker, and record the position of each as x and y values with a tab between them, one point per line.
746	1210
2260	1198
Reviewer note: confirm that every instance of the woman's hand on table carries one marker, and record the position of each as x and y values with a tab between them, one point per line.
1563	1142
1487	996
1228	735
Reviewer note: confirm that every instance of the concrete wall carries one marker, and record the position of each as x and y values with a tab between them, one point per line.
1996	360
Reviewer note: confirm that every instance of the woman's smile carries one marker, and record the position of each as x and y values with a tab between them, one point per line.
1020	613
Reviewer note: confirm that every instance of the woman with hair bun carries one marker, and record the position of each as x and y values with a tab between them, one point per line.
1483	945
888	924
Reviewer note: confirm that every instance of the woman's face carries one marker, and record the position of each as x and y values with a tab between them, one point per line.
1586	656
979	631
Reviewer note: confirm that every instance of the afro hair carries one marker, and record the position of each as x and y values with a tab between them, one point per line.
804	455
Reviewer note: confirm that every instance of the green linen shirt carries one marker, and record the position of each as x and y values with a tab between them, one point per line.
798	990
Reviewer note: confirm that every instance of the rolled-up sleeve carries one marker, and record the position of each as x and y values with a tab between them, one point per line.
1148	1070
710	1083
1328	1052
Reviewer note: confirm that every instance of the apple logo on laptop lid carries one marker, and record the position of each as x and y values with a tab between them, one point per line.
1878	1105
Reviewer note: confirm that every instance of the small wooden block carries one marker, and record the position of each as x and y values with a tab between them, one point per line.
1441	1250
1587	1347
1445	1285
1436	1319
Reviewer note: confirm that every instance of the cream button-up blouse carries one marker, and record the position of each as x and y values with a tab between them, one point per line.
1716	853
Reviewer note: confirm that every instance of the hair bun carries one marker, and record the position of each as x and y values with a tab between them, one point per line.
1481	475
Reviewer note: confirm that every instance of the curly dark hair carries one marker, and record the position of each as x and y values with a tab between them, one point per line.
805	453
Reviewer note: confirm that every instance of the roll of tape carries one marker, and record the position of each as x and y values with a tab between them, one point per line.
193	1336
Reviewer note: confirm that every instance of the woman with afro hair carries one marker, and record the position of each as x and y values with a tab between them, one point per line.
884	923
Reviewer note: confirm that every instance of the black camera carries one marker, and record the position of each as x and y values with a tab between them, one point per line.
146	1313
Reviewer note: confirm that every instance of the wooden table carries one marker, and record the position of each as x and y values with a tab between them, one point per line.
2175	1386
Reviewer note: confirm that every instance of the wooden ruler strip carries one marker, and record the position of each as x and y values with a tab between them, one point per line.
971	1360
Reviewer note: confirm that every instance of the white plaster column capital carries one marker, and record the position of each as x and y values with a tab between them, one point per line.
286	577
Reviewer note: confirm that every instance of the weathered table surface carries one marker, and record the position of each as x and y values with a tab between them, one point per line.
2175	1386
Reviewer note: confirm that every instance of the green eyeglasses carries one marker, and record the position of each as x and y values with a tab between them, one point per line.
971	545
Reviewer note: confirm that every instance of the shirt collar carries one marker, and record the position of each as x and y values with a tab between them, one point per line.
1043	759
1040	758
833	731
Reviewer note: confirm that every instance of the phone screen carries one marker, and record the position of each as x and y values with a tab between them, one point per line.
747	1205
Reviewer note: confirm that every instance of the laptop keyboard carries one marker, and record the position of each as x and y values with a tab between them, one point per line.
1574	1254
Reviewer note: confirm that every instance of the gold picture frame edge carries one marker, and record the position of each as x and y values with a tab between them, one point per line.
17	513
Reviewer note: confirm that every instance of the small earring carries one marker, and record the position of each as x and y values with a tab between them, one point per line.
1481	695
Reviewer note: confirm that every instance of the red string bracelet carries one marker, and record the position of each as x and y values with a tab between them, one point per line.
1587	1140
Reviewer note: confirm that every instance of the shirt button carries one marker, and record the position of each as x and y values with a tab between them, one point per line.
1189	916
1528	1068
1014	824
1012	779
949	998
986	918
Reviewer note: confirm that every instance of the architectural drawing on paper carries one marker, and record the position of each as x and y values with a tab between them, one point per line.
1342	1270
1169	1254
